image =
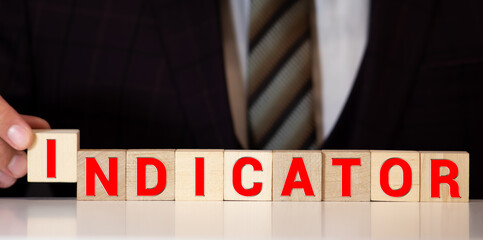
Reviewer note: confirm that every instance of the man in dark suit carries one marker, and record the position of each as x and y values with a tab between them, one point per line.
150	74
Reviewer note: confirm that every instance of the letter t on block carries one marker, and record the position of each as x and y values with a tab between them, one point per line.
101	175
52	157
445	176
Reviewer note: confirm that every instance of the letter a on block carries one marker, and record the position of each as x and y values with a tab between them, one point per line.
101	175
445	176
52	157
297	175
248	175
150	174
395	176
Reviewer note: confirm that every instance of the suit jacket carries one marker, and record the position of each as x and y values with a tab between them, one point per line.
150	74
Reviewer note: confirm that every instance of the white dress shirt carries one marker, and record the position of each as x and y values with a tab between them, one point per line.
341	28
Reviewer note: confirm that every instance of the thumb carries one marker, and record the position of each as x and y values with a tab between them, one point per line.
13	128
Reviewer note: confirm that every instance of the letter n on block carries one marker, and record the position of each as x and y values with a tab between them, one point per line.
347	175
101	175
248	175
395	176
199	175
52	157
150	174
445	176
297	175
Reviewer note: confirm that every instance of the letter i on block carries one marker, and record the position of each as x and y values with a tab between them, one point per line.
52	157
445	176
297	175
347	175
199	175
395	176
248	175
150	174
101	175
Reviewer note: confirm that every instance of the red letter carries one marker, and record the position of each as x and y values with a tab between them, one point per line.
407	177
200	177
297	165
346	164
50	158
237	181
437	179
141	173
93	169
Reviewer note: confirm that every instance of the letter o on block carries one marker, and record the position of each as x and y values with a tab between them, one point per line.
248	175
395	176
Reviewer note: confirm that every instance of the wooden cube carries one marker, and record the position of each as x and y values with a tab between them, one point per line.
248	175
347	175
395	176
150	174
101	175
297	175
450	172
52	157
199	175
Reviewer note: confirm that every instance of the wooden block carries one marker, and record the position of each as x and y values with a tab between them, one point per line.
395	166
206	183
52	157
354	166
101	175
248	175
451	173
158	181
304	168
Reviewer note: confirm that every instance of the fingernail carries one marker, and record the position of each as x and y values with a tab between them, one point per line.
18	166
6	181
18	136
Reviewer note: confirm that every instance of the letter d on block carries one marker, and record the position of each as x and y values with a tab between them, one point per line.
101	175
52	157
150	174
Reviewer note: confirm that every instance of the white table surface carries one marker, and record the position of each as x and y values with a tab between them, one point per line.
68	218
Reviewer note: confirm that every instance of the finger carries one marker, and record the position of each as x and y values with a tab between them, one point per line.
35	122
13	129
13	164
6	181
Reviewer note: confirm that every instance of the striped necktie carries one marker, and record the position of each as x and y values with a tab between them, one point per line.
280	104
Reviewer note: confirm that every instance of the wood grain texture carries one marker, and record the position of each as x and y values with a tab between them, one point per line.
166	157
378	157
248	175
282	160
186	174
67	145
102	158
360	176
462	160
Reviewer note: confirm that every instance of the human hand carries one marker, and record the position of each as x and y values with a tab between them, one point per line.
15	136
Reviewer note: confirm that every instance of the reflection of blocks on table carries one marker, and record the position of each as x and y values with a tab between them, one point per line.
445	176
248	175
395	176
150	174
101	175
52	157
297	175
199	175
346	175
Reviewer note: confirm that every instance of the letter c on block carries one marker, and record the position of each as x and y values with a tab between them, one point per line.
237	178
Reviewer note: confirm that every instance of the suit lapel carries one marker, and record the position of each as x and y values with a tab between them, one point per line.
397	39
